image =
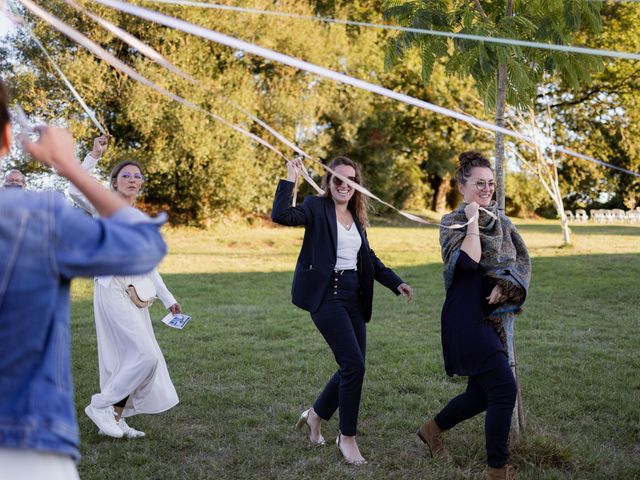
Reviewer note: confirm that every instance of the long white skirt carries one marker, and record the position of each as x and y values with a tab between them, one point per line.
130	361
18	464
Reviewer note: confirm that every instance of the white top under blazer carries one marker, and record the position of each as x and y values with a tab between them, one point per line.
349	243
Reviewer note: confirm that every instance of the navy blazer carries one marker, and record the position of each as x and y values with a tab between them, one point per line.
317	259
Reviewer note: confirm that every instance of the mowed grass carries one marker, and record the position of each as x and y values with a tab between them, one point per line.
249	362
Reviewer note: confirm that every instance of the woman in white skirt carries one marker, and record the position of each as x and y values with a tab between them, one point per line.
133	373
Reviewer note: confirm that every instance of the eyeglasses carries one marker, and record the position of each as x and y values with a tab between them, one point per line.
482	185
136	176
337	182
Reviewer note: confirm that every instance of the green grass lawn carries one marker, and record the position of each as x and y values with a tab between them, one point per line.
249	362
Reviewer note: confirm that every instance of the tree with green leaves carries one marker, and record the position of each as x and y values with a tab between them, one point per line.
197	168
408	154
504	74
602	119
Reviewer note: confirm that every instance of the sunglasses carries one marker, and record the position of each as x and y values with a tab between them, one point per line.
337	182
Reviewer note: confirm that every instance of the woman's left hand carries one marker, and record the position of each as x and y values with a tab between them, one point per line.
176	308
406	290
496	295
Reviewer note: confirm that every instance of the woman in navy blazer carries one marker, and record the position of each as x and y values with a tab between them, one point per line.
333	280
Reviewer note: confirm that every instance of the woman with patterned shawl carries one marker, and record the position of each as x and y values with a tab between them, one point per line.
486	276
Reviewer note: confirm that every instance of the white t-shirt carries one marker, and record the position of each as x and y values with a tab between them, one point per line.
349	243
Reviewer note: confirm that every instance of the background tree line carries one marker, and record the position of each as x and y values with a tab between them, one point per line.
201	170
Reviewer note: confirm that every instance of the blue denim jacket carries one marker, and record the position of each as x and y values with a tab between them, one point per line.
44	243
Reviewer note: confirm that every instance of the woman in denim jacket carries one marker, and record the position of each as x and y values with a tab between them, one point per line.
44	243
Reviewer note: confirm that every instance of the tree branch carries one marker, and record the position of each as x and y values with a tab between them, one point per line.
478	7
622	86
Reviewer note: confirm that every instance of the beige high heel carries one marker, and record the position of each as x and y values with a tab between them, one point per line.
350	462
304	420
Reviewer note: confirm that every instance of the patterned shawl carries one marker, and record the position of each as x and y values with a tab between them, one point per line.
504	257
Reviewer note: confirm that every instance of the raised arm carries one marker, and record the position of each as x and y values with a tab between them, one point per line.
56	148
88	165
471	243
124	241
282	212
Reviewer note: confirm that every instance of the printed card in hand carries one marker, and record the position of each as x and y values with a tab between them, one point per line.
179	320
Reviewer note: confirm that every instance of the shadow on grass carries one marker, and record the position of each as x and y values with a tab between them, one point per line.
250	362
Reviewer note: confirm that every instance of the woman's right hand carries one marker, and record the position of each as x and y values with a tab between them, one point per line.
55	148
471	210
99	146
293	169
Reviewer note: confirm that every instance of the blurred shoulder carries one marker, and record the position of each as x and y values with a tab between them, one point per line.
17	198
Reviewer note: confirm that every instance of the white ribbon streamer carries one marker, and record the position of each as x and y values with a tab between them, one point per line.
4	8
116	63
410	216
157	57
20	23
327	73
421	31
134	42
73	91
122	67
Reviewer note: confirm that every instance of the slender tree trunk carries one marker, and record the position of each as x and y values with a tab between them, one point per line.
501	93
440	199
566	234
564	221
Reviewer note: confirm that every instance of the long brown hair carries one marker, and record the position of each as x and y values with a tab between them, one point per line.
358	205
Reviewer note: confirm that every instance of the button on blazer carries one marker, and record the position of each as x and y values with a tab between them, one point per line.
317	258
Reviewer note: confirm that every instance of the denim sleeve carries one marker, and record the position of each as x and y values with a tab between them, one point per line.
128	243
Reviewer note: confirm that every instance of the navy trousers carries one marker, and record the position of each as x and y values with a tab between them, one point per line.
493	391
340	320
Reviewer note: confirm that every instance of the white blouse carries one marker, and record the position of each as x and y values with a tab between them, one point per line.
89	164
349	243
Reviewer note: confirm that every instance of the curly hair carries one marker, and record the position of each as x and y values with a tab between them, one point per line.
358	205
467	161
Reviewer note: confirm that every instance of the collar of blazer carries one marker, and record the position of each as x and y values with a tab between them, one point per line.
332	221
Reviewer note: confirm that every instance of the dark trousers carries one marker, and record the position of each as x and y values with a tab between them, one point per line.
493	391
341	322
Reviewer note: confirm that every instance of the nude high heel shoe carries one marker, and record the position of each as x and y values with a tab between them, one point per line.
304	420
358	461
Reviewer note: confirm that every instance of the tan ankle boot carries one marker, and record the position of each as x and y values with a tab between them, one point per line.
431	434
508	472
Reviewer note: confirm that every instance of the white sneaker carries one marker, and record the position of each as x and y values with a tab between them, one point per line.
127	431
105	419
